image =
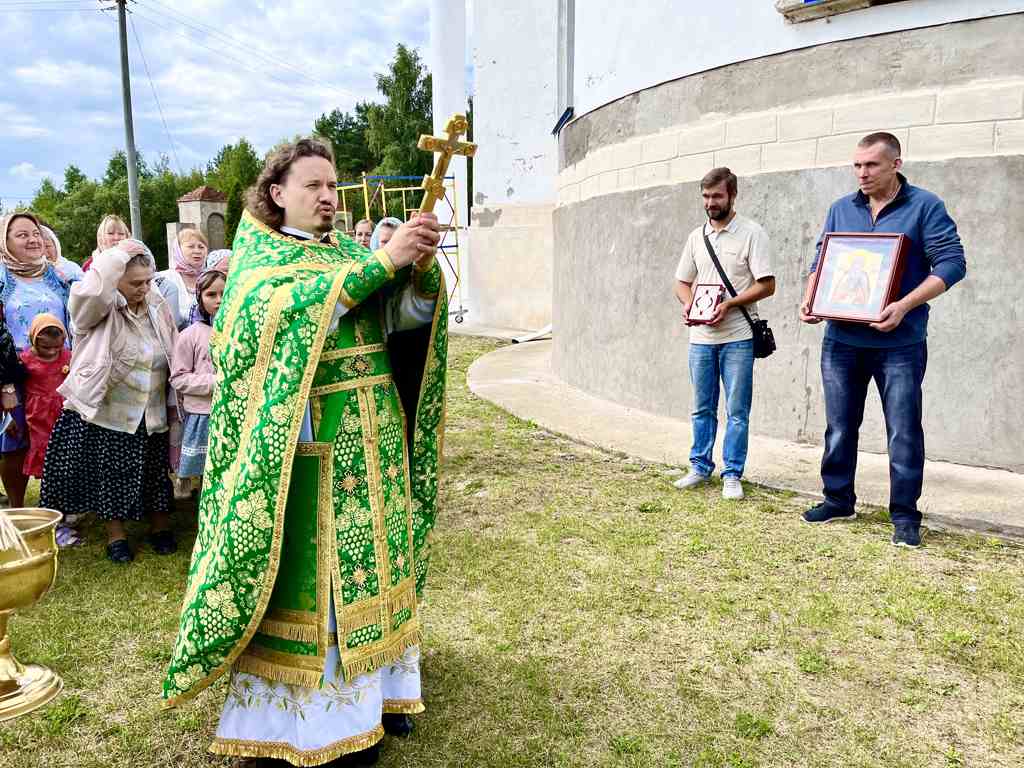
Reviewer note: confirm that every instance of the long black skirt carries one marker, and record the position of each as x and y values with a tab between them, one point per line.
117	475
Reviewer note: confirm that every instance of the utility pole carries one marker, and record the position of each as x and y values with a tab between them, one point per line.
129	129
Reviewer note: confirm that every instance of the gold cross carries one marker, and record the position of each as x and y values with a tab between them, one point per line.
446	147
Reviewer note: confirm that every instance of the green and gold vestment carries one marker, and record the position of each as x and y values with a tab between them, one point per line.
284	526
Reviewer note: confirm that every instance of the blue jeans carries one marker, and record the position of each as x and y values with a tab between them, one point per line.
846	372
733	363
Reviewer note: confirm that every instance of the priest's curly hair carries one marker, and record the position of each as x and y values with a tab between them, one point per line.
275	171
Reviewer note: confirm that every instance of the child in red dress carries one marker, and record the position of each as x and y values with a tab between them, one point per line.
46	362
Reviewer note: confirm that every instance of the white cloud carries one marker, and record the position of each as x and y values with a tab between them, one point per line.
28	172
223	69
19	125
69	75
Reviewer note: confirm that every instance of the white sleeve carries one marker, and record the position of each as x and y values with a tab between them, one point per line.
407	310
340	310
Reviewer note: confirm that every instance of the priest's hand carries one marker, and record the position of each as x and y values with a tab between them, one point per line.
414	240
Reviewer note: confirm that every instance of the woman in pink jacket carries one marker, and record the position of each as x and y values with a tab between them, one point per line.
108	450
192	374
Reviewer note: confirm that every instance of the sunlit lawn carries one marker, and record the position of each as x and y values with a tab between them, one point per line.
582	612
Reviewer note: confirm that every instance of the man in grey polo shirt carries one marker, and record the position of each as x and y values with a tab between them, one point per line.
724	349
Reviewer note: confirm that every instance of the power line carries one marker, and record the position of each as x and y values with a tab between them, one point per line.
156	98
172	15
158	24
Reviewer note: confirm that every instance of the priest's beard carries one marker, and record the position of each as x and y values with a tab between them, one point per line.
716	213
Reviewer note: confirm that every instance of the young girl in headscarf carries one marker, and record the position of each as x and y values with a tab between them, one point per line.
192	374
47	362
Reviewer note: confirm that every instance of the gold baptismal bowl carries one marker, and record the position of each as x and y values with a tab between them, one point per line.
23	581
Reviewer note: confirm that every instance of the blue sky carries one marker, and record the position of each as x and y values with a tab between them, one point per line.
222	69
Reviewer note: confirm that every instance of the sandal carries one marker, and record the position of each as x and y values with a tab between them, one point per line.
163	542
119	552
68	537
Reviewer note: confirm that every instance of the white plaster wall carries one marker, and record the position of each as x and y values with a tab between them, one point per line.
514	56
622	48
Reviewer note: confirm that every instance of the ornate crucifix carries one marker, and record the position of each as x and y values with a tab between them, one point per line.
456	126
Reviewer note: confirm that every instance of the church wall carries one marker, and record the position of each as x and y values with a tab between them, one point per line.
509	271
788	125
626	47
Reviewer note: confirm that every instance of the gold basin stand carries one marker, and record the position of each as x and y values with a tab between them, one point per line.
23	582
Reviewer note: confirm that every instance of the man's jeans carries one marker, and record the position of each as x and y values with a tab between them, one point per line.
846	372
733	363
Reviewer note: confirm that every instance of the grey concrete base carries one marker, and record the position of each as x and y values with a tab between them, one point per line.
468	328
520	380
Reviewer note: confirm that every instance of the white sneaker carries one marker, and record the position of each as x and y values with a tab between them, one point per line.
690	480
732	488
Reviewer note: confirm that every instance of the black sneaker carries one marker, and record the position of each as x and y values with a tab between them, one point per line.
119	552
907	535
827	513
396	724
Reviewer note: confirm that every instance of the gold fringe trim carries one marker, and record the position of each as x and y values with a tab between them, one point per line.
366	349
344	386
281	658
290	614
404	599
361	664
303	633
277	750
403	706
359	618
278	673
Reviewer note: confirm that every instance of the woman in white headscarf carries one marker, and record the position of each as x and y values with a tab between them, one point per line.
383	231
68	271
188	259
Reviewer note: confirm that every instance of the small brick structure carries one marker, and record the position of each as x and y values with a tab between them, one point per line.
204	208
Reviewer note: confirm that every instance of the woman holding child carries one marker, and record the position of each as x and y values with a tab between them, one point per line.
29	286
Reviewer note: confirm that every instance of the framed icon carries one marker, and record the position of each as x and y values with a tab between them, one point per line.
858	275
706	298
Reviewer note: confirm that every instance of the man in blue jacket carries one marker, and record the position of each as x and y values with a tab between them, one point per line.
893	351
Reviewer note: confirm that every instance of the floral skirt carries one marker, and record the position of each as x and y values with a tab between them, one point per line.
117	475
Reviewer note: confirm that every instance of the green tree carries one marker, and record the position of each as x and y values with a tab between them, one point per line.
393	128
347	133
236	204
117	168
234	163
73	177
47	199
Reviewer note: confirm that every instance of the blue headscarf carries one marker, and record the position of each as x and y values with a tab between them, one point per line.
387	221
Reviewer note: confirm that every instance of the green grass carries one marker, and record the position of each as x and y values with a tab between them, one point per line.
581	612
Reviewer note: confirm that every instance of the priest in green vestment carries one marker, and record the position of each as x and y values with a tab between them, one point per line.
320	490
